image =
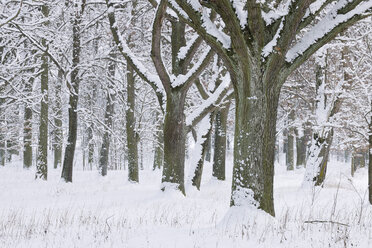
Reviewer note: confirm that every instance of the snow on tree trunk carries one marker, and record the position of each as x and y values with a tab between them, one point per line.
158	147
27	127
201	146
110	98
301	145
254	143
174	141
326	107
58	131
42	158
158	153
74	94
316	166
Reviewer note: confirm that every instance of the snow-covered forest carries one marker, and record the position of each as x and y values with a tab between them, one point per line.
186	123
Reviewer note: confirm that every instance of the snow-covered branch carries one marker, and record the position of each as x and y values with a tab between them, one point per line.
152	79
14	16
211	102
327	28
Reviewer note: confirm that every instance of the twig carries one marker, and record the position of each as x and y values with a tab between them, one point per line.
324	221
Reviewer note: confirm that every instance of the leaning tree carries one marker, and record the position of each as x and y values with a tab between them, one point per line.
262	43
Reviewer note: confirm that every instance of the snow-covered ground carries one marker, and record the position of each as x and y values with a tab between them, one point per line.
110	212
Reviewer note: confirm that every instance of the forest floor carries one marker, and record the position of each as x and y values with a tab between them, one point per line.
111	212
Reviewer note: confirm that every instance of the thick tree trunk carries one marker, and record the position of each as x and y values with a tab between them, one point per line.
219	158
27	128
131	126
58	132
174	141
42	158
290	147
73	101
254	143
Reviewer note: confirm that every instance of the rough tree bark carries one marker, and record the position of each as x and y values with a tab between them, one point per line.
131	127
174	123
174	140
259	57
219	157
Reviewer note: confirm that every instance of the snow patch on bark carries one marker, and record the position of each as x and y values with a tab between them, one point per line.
244	197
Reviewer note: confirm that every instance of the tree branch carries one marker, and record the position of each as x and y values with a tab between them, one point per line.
140	69
11	18
156	46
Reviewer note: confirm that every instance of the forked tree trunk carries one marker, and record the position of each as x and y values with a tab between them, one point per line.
254	144
130	127
174	141
42	158
219	157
